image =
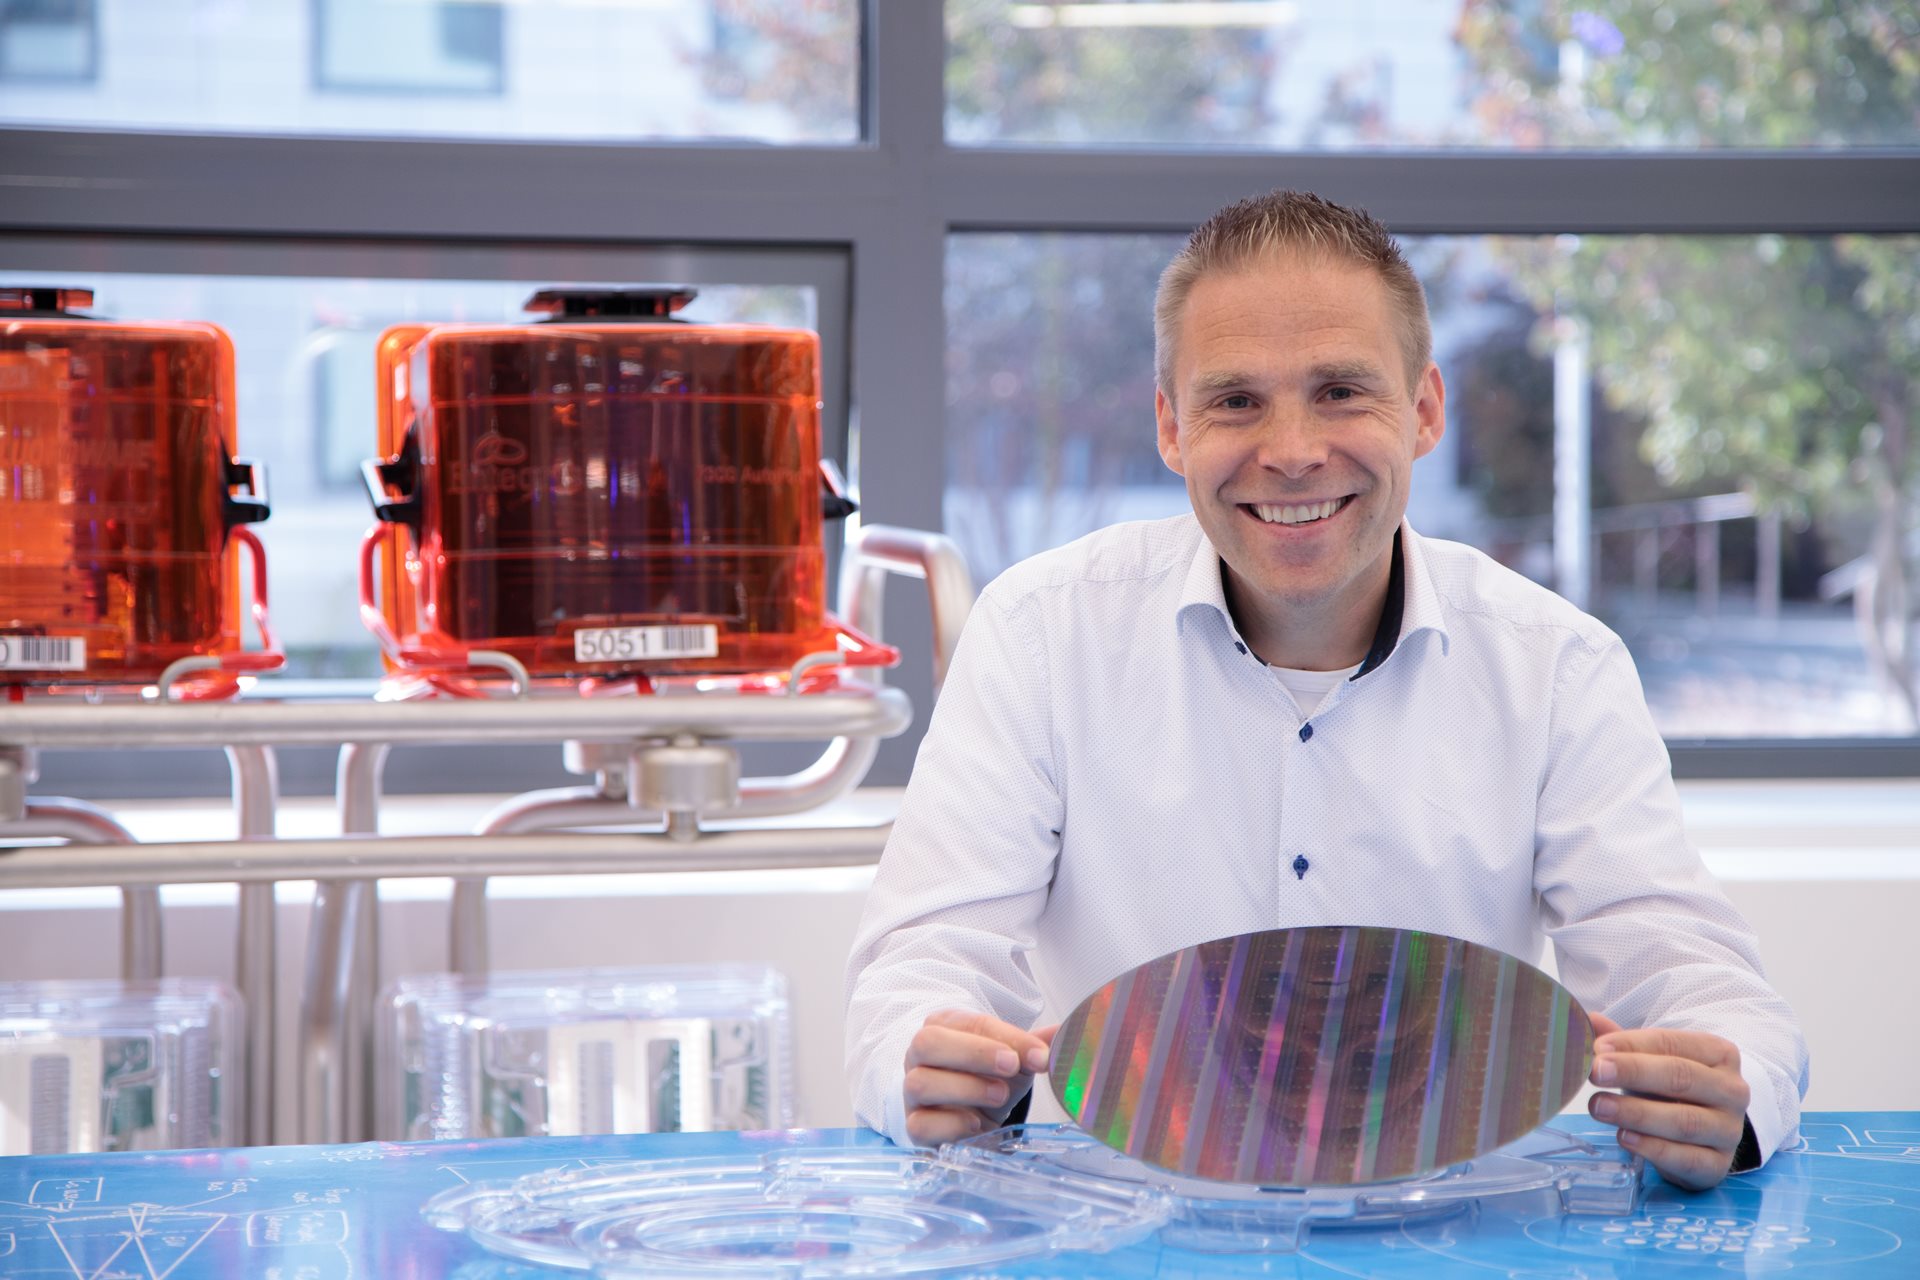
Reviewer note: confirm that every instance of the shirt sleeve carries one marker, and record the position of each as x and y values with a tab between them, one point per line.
1641	930
951	917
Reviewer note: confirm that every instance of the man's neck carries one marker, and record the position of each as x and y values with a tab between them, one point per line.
1309	636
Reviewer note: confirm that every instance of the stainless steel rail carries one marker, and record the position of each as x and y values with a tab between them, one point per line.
838	770
878	712
256	793
877	550
343	971
265	861
77	822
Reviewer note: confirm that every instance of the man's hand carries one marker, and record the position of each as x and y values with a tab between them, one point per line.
962	1068
1685	1103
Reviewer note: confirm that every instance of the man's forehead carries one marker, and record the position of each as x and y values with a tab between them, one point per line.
1300	263
1319	368
1320	313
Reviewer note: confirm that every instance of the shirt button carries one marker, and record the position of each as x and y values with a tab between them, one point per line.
1242	648
1306	731
1300	865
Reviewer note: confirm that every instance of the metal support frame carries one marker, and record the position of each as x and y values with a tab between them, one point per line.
142	949
343	972
853	710
343	961
872	552
260	862
77	822
256	942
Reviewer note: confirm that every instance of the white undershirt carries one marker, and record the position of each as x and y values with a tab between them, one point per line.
1310	688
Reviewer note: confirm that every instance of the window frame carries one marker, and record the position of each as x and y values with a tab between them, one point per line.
888	202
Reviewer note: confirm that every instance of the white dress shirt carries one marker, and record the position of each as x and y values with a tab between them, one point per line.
1112	775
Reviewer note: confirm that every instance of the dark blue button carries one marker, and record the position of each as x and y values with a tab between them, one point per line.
1306	731
1242	648
1300	866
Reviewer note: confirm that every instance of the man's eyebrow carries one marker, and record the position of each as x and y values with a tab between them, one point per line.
1222	380
1347	371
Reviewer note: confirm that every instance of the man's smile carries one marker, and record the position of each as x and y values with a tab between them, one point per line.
1295	514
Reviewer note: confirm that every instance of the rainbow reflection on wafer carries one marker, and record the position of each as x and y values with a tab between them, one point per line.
1321	1056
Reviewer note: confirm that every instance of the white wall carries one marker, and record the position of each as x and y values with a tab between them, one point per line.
1829	874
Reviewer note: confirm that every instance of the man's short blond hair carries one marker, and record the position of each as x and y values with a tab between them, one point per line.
1290	221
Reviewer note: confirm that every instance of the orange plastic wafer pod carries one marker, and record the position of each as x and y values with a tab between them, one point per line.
607	493
121	499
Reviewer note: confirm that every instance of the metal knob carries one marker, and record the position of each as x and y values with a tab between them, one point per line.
684	780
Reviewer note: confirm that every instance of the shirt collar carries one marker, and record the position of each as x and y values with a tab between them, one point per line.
1412	603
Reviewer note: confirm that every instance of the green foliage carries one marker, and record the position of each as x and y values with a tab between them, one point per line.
1788	365
1171	86
1756	73
1781	362
799	54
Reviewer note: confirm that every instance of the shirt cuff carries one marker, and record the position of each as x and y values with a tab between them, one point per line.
888	1063
1769	1129
1746	1156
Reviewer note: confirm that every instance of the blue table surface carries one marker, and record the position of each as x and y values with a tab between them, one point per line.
1841	1202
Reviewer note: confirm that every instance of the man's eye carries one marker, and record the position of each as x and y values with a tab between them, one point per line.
1341	393
1236	401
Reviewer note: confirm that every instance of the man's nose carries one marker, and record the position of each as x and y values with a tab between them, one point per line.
1290	443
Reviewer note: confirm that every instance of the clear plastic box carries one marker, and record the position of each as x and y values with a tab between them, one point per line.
802	1214
1574	1175
644	1050
1017	1193
91	1066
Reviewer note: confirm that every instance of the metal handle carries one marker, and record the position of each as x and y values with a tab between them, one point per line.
877	550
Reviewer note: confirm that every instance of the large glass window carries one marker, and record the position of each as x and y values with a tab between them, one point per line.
1422	73
304	369
752	70
1746	405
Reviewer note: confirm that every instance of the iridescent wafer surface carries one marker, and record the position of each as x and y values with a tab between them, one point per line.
1321	1056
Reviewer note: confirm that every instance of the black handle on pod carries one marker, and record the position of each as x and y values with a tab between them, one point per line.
401	472
834	502
252	507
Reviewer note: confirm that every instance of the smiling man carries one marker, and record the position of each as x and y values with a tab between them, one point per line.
1288	709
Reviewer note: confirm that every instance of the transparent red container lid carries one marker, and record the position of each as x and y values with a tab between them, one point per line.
117	495
607	492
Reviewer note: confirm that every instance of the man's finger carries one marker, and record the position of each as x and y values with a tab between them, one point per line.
985	1024
1602	1024
1678	1079
956	1050
1037	1058
1699	1046
1691	1167
931	1126
1678	1122
935	1087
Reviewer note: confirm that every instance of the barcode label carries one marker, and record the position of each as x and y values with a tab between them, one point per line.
43	653
627	644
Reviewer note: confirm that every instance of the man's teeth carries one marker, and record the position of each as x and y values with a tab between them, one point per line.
1296	515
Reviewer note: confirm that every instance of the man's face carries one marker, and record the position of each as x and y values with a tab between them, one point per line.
1296	431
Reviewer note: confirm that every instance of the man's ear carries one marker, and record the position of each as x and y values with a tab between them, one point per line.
1429	411
1169	431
